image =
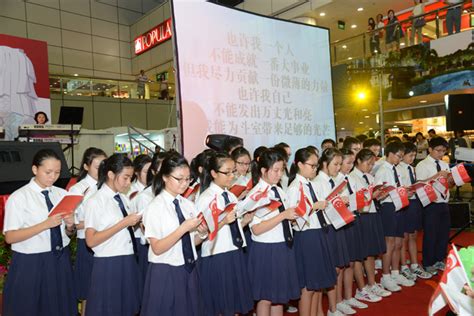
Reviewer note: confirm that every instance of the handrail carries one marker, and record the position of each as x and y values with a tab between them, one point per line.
140	144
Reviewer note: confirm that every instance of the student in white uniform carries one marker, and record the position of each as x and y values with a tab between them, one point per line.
223	271
114	288
315	269
242	160
285	151
373	239
196	167
39	280
329	167
86	185
173	229
412	221
141	164
138	204
392	220
272	251
436	220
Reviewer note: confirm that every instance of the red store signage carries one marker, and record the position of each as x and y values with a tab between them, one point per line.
155	36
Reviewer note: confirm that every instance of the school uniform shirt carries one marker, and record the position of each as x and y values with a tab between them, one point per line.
385	174
427	168
242	179
378	163
403	171
293	194
274	235
323	187
27	207
139	203
160	220
358	181
345	191
102	211
284	181
86	187
223	241
137	187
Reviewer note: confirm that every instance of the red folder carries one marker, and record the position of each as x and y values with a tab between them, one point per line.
67	205
237	189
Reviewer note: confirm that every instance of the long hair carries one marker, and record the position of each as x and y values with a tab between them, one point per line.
328	155
170	163
302	155
115	163
139	163
199	161
89	155
214	162
266	160
155	166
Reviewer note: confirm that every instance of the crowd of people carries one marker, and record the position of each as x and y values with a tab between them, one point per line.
147	243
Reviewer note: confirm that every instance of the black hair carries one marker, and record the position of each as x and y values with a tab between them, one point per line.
314	149
346	152
371	22
409	147
285	156
328	140
438	141
89	155
388	14
199	161
364	155
432	131
115	163
169	164
266	160
239	152
232	143
214	162
393	139
38	114
301	155
327	156
394	147
42	155
419	133
139	163
361	137
371	142
282	145
155	166
258	151
349	141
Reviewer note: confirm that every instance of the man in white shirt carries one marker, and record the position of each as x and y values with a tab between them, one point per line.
436	220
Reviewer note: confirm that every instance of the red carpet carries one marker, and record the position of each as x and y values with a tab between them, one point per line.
410	301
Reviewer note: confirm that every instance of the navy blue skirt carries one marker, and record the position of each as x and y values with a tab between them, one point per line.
83	269
142	260
373	237
392	221
313	260
40	284
171	291
413	220
115	287
225	284
354	240
272	272
338	247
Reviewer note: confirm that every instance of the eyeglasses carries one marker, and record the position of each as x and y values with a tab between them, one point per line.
313	166
246	164
227	173
182	180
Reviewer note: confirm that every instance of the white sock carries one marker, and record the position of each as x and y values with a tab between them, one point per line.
414	265
385	275
404	266
395	272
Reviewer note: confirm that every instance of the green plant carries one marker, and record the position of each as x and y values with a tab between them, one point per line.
5	259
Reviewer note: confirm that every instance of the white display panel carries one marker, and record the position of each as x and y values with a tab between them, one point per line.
255	77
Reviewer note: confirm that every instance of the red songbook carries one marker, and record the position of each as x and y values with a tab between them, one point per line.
67	205
237	189
274	204
336	190
134	194
191	190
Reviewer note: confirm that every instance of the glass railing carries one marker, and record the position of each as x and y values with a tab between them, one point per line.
99	87
372	46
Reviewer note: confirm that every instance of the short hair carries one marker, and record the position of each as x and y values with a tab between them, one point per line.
432	131
438	141
394	147
371	142
409	147
362	137
328	140
349	141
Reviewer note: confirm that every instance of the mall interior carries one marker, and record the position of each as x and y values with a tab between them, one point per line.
115	59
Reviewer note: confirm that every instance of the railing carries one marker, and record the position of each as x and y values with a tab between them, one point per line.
113	88
364	46
134	135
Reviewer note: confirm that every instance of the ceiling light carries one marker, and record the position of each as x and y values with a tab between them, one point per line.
364	110
402	44
75	75
423	101
322	14
411	93
344	46
350	58
353	26
342	128
361	122
370	129
367	116
360	9
395	126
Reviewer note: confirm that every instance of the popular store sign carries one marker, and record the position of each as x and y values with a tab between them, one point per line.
154	37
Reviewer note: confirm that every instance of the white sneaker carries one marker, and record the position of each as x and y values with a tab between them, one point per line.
420	272
406	272
352	302
401	280
365	295
378	264
291	309
440	265
345	309
378	290
389	284
336	313
432	270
